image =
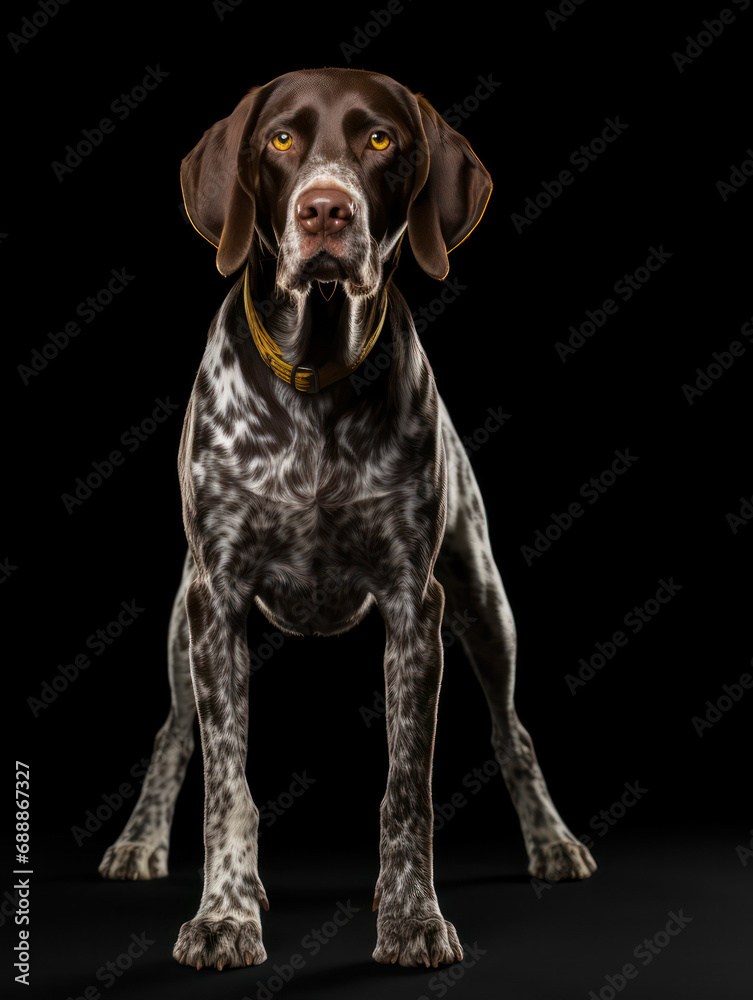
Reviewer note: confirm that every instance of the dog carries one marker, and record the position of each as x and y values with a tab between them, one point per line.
299	477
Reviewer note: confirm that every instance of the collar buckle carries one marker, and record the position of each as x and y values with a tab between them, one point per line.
313	386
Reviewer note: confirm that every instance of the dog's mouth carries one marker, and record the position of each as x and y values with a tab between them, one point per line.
324	260
343	258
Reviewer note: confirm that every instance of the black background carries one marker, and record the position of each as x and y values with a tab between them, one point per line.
493	347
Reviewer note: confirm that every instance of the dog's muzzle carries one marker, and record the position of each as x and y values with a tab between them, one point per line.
326	235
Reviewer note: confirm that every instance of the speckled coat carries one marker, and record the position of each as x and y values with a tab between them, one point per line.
362	491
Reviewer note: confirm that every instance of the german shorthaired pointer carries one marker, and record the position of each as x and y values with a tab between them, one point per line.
300	478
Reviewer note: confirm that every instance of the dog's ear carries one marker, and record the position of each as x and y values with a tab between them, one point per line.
452	198
217	178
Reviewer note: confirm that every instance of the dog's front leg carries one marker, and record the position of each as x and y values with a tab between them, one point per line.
410	927
226	930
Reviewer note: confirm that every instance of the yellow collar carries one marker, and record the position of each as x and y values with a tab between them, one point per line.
303	377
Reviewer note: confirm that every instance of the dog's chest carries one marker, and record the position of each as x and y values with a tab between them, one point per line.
295	449
285	490
294	463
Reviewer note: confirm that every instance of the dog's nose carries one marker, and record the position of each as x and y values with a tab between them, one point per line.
324	210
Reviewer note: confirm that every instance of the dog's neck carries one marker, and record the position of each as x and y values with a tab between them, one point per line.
315	327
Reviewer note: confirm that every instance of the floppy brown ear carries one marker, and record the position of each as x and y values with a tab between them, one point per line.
453	198
216	178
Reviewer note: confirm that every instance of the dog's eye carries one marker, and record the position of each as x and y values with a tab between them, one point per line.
379	140
282	141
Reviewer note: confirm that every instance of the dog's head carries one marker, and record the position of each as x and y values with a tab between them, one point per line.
325	169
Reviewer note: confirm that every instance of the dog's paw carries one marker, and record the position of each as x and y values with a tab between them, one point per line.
410	941
134	861
219	944
561	860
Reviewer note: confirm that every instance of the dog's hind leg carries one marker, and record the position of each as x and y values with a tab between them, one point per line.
140	852
472	584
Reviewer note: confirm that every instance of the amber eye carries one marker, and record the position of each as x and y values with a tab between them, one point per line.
282	141
379	140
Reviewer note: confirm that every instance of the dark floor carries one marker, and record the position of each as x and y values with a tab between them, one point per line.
522	941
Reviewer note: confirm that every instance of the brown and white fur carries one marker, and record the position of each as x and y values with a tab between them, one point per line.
364	492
